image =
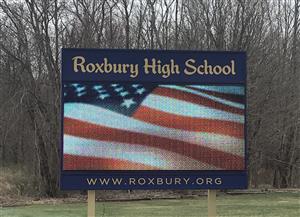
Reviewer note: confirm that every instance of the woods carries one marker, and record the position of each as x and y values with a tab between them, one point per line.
32	33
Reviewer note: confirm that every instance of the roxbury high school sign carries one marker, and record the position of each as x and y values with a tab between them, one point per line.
147	119
153	66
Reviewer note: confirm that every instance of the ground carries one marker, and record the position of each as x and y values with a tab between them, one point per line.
286	204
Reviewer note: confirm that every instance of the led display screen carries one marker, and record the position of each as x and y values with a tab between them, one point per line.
153	119
121	126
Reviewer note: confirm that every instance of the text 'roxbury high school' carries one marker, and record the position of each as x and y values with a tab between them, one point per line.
153	66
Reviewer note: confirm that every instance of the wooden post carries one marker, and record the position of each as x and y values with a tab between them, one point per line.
91	203
212	206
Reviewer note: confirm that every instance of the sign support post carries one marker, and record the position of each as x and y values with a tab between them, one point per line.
91	203
212	206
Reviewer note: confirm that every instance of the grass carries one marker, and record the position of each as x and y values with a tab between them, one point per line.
266	205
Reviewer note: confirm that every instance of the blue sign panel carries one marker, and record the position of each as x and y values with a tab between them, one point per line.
148	119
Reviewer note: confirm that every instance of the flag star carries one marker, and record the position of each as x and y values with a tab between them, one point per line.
75	85
79	89
119	89
65	94
101	91
125	93
114	85
97	87
127	103
140	91
79	94
103	96
136	85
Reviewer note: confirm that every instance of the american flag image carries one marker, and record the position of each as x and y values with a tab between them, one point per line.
145	126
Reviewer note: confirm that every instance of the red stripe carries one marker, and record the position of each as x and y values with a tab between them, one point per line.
165	119
227	96
204	154
193	98
75	162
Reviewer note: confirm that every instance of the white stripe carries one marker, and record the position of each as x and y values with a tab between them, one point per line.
133	153
183	108
107	118
217	99
222	89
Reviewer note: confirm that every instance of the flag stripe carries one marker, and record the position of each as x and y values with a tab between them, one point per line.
165	119
237	90
185	109
199	93
231	97
200	100
75	162
204	154
115	120
141	154
111	149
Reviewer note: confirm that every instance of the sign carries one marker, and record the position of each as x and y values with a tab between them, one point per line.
149	119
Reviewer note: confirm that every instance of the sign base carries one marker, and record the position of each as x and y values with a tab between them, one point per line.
91	203
212	205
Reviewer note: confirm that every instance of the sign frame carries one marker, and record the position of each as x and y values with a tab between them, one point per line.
143	179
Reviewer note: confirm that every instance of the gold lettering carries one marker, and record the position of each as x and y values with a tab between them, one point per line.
232	67
99	68
156	67
117	68
90	67
207	68
226	70
174	67
200	70
107	66
147	66
217	70
166	70
76	63
134	70
125	66
189	66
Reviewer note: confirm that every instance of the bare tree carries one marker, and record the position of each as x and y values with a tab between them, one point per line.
32	33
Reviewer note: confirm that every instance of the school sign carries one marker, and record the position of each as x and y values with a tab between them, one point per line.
149	119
